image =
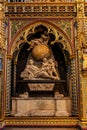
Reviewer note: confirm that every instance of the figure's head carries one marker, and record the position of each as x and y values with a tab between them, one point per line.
44	37
44	59
31	61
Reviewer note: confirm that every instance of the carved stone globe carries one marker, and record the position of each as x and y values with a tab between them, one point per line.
40	51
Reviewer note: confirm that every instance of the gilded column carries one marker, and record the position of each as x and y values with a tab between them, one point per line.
8	87
74	87
1	81
14	79
82	59
2	37
2	52
0	93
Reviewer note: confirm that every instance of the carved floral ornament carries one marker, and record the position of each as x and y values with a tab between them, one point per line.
55	33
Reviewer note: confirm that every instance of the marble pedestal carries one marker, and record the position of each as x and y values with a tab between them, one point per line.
43	106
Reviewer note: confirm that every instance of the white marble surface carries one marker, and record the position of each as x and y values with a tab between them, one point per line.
41	107
63	107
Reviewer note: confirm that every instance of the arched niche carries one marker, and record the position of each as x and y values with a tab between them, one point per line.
61	49
60	46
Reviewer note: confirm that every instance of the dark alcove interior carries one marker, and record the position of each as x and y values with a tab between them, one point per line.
21	63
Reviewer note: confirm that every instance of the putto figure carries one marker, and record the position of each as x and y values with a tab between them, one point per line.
37	41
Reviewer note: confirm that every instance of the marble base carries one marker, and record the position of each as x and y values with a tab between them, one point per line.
41	106
63	107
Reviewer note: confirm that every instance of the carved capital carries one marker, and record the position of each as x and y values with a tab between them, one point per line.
72	56
9	57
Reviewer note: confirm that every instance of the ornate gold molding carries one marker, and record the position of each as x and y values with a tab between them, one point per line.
84	73
83	124
43	122
63	122
2	36
80	24
46	9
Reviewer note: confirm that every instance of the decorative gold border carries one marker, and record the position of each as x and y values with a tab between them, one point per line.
50	122
42	122
40	13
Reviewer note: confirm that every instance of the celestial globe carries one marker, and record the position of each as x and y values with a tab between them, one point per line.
40	51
